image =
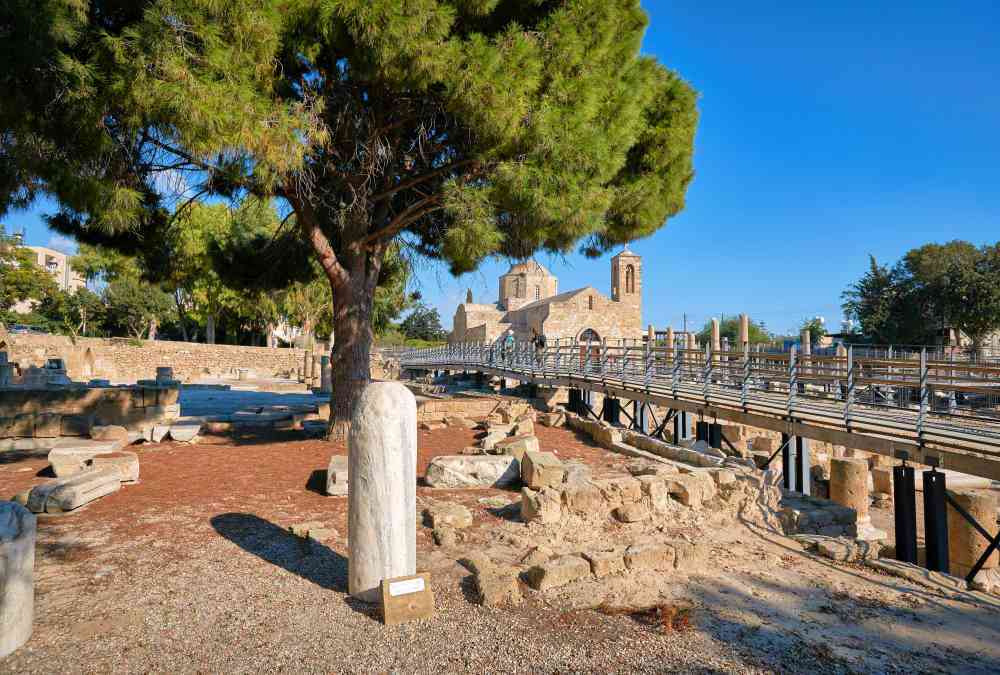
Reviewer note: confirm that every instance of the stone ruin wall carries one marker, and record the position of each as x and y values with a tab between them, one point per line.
126	360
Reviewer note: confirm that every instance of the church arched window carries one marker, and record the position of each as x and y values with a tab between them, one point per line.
629	279
538	293
517	287
590	302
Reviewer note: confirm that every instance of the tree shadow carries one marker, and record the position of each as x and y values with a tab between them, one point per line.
307	558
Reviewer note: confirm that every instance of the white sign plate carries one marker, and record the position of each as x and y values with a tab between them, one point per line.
406	587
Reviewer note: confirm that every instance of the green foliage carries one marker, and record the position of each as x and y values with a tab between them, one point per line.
817	329
936	285
730	328
423	323
134	305
81	312
21	278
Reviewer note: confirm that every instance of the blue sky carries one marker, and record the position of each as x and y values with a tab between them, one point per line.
828	131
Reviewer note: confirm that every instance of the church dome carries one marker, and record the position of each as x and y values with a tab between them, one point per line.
528	267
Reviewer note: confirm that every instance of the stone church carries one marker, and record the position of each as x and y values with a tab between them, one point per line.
530	304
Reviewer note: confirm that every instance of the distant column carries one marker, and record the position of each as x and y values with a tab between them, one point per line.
744	330
651	335
716	341
326	375
307	367
670	339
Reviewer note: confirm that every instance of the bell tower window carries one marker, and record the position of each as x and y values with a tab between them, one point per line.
629	279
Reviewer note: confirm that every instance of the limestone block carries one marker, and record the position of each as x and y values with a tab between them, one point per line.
605	562
185	432
21	426
17	576
575	472
849	485
541	469
524	428
691	489
336	476
71	455
490	440
432	425
689	557
540	505
965	543
48	425
882	480
159	432
583	498
66	494
516	446
650	557
458	471
76	425
498	587
617	491
552	419
109	433
631	513
559	572
382	511
655	489
723	476
126	463
446	514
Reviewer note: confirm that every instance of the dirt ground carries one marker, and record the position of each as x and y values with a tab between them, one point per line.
192	570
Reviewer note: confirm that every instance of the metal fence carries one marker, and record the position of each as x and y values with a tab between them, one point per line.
918	392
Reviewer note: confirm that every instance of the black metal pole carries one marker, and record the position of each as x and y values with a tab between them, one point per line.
800	453
715	435
936	521
701	431
905	508
786	461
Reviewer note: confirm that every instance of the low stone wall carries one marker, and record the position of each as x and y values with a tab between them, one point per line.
431	409
125	360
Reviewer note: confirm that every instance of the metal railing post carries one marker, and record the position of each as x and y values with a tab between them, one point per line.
793	380
849	396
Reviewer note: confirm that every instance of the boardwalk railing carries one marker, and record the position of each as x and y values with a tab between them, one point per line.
913	401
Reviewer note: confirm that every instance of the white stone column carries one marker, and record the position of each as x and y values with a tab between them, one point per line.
307	367
17	575
382	507
326	376
716	342
670	340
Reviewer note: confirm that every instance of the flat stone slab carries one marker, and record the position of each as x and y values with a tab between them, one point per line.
559	572
541	469
336	476
17	576
447	514
66	494
125	462
70	456
185	432
457	471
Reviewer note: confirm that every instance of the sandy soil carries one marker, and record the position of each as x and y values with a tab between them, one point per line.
192	570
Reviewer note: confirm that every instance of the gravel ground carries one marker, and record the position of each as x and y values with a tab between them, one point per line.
192	570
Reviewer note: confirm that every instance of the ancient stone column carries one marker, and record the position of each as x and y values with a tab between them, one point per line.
307	367
326	376
965	543
692	345
849	485
716	342
17	576
317	369
744	330
670	339
6	370
651	335
382	508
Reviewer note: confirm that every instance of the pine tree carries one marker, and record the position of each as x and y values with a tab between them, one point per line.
461	128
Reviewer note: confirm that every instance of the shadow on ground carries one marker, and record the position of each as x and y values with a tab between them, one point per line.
307	558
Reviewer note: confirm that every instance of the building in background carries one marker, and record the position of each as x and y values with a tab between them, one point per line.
55	263
529	304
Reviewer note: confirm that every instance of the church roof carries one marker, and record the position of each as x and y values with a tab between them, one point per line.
528	267
562	297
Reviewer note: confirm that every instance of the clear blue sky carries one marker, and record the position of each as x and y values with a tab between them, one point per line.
828	131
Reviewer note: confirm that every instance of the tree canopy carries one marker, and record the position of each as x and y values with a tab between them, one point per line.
952	285
457	129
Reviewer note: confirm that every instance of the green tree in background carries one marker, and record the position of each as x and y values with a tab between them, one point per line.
730	328
462	128
423	323
136	306
21	278
817	329
953	285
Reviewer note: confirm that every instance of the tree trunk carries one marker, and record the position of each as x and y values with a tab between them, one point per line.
181	316
351	355
152	329
210	329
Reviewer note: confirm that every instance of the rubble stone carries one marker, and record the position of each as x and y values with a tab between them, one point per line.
631	513
559	572
457	471
516	446
337	478
541	469
109	433
126	463
66	494
498	587
447	514
540	505
650	557
606	562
